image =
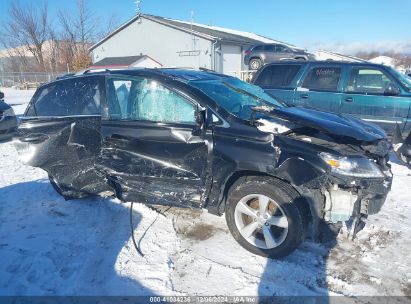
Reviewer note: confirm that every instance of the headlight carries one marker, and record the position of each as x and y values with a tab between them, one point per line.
9	112
352	166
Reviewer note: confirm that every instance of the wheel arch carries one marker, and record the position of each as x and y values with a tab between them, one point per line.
258	58
241	176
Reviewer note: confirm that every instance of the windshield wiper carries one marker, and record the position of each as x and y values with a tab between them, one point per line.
238	90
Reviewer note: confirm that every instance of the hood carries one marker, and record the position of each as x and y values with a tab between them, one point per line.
297	49
333	124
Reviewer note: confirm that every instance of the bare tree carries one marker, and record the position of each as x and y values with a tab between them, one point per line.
29	36
81	30
27	28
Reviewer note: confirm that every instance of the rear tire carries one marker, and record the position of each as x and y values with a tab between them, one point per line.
255	64
263	218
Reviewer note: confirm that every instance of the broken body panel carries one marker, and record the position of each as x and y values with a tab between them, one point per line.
195	165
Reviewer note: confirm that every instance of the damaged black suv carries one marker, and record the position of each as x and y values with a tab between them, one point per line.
199	139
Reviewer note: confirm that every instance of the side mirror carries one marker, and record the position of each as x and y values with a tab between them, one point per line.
1	95
392	90
200	118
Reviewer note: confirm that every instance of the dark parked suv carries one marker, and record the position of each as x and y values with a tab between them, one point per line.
258	55
375	93
204	140
8	120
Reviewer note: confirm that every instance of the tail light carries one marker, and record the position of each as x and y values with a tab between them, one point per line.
246	53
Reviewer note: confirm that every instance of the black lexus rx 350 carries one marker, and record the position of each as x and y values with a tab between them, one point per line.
199	139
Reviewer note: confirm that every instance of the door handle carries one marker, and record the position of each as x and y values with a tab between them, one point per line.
304	96
349	99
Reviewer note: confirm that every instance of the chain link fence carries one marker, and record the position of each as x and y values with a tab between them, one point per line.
27	80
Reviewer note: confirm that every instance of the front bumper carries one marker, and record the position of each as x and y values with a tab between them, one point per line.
8	126
349	196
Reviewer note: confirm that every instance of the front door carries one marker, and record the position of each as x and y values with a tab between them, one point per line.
282	52
320	88
270	53
366	97
151	152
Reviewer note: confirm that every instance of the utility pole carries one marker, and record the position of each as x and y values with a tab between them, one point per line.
194	40
138	6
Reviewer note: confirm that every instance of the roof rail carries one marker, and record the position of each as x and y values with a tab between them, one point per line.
86	71
175	68
206	70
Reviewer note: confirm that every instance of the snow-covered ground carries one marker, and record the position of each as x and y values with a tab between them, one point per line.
49	246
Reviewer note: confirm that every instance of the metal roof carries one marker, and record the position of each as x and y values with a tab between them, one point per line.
221	34
204	31
118	61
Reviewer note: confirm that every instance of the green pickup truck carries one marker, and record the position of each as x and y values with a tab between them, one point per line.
375	93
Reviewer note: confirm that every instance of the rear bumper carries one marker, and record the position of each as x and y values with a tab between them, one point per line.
8	126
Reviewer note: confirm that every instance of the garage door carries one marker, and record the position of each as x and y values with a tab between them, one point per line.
231	59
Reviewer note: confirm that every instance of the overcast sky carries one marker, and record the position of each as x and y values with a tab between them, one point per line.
346	26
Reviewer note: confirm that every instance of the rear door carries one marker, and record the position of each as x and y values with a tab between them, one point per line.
151	151
60	132
366	97
320	88
279	80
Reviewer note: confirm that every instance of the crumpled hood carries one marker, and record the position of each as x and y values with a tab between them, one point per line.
333	124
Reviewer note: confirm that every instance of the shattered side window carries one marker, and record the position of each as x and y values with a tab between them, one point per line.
147	100
68	98
157	103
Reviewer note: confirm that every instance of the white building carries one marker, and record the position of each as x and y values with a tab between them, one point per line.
175	43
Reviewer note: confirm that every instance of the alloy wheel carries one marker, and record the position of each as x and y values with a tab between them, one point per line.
261	221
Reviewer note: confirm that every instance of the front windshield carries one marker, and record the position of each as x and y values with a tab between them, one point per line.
404	79
235	96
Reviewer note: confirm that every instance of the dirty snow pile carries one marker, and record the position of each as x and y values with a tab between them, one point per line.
49	246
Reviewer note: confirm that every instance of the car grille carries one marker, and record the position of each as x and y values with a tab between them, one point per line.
1	115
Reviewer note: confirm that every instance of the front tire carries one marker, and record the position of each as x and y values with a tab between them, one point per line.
264	219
